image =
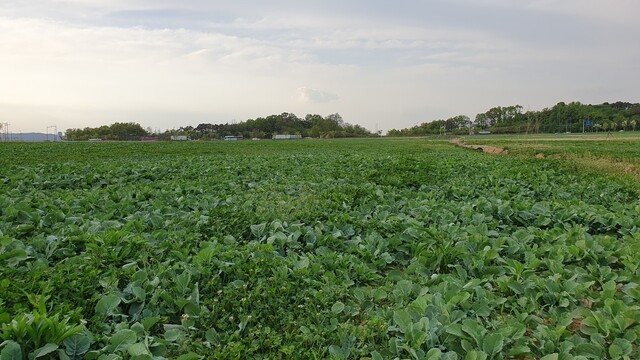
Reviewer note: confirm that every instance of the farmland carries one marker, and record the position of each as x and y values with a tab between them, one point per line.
616	153
345	249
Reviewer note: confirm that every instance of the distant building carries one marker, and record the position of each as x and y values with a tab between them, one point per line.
233	138
286	137
484	132
179	138
148	139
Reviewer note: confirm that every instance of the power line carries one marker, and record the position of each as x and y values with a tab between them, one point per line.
5	131
55	131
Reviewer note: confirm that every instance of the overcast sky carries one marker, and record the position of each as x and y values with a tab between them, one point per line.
380	64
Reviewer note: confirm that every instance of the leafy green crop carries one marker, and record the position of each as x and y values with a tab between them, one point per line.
352	249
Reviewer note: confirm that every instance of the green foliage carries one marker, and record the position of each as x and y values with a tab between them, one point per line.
322	249
115	131
561	118
37	335
312	125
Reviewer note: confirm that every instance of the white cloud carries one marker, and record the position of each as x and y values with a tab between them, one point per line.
613	12
309	95
73	62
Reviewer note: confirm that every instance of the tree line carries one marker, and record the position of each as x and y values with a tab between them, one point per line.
312	125
561	118
116	131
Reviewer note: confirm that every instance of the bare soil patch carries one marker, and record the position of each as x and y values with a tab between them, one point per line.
484	148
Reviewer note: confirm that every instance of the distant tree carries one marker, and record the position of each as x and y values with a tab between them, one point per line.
560	118
116	131
336	118
285	123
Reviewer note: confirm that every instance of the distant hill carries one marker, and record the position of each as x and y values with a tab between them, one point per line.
32	137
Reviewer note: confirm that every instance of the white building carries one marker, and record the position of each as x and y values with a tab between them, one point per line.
286	137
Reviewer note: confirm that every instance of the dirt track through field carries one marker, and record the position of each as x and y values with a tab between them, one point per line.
485	148
613	137
606	164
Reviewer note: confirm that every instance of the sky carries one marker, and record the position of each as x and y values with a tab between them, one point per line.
380	64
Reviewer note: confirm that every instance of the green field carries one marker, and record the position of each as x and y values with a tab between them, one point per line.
616	153
312	249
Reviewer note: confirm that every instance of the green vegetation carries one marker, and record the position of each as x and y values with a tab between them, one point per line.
316	126
561	118
344	249
617	153
115	131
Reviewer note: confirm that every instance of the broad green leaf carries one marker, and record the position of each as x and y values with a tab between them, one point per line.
158	349
63	356
107	304
620	347
303	263
149	322
454	329
395	275
13	257
172	334
258	230
519	350
379	294
212	336
237	284
182	281
190	356
492	344
138	329
434	354
76	345
142	357
449	355
474	330
338	352
121	340
553	356
403	319
139	293
467	345
11	351
590	350
337	308
43	350
109	357
138	349
476	355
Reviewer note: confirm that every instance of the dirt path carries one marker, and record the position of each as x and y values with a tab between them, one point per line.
533	138
601	163
485	148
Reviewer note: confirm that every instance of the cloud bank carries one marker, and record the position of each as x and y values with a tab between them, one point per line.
309	95
167	63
